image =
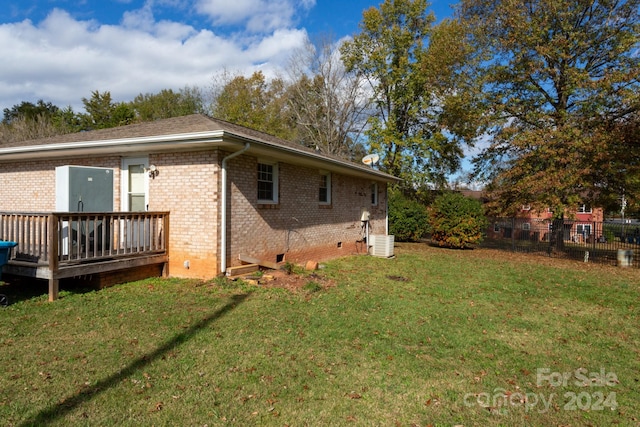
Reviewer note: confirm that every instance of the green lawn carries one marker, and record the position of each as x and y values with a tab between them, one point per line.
432	337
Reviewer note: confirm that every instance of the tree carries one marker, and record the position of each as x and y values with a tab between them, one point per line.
253	102
167	103
67	121
23	129
329	103
407	127
457	221
27	121
29	111
623	157
102	112
559	77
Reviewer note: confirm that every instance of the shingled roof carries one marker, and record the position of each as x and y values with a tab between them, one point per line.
172	126
185	125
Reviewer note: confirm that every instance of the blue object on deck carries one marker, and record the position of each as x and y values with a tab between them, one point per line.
5	250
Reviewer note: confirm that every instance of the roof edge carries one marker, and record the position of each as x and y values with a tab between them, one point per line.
168	141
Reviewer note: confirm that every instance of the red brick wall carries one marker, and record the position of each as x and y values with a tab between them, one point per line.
31	186
298	226
187	187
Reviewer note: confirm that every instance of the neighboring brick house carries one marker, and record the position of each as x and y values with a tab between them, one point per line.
283	202
580	225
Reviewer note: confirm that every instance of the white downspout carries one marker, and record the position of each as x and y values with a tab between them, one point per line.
223	214
386	210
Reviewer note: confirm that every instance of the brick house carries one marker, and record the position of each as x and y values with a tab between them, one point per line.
580	225
229	190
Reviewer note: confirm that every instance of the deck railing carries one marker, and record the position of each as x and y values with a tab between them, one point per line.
58	239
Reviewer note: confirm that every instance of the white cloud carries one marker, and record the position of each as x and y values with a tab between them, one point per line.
256	15
62	59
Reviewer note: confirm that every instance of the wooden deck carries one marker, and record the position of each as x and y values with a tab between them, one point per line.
54	246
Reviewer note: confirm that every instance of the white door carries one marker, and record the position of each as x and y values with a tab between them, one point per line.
135	184
135	198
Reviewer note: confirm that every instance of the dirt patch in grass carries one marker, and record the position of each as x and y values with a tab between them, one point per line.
293	282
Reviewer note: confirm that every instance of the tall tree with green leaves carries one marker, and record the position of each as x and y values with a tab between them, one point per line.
102	112
168	103
394	51
253	102
559	78
29	111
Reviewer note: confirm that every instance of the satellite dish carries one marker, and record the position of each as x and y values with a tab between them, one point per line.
370	159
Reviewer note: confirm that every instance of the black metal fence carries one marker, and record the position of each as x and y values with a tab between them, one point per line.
601	242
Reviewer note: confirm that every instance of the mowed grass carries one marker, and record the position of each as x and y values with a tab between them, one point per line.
432	337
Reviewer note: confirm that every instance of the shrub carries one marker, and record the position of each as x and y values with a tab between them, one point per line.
456	221
407	218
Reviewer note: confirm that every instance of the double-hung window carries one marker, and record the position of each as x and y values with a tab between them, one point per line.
324	188
267	182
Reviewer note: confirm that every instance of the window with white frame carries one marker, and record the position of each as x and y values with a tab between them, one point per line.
584	209
526	226
374	194
583	230
267	182
324	188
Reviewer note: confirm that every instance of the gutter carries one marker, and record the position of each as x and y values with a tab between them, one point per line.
185	138
223	214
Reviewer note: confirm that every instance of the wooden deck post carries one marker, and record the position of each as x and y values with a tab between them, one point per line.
54	282
54	285
165	244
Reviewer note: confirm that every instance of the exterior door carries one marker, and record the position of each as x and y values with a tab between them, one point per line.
135	198
135	184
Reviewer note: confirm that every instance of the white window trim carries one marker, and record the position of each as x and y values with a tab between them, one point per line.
274	201
586	229
374	192
583	209
124	181
526	226
328	201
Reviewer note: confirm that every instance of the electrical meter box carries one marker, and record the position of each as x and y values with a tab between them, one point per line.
84	189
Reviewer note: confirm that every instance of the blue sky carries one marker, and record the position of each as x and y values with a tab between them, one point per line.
62	50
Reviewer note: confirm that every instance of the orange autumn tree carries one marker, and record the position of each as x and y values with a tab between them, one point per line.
560	78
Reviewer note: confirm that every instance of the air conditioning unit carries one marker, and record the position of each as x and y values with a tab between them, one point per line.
381	245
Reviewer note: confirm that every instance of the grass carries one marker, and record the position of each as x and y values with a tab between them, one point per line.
433	337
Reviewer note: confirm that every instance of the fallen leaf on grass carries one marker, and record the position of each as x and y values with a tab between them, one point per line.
432	401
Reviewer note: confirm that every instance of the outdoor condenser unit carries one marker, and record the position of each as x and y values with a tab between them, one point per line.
381	245
82	189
